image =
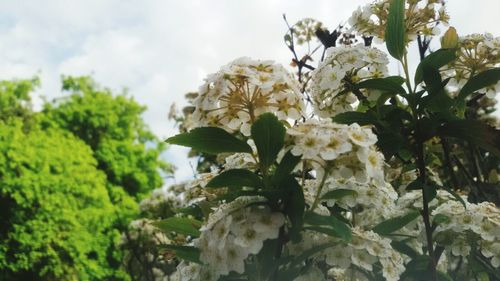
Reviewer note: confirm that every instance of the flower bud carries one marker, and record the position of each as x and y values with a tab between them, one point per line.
449	39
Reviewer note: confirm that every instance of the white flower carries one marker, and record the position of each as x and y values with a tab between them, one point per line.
236	256
339	256
363	259
363	137
234	97
460	247
330	86
336	144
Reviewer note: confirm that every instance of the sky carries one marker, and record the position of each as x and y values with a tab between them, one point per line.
160	50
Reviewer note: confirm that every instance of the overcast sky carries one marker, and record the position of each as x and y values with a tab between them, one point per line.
160	50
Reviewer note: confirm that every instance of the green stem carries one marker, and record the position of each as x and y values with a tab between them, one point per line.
320	188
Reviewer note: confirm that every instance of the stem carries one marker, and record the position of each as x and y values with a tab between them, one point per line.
425	210
320	188
422	173
404	62
446	150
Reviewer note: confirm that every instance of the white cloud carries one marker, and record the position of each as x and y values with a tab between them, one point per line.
160	50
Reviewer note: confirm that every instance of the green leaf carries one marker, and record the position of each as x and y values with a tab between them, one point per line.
403	248
236	178
481	80
187	253
268	134
210	140
455	195
393	224
395	32
435	61
473	131
294	206
286	166
339	193
350	117
440	218
432	79
338	228
390	142
185	226
390	84
310	252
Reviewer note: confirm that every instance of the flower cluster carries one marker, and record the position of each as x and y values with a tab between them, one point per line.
377	201
347	151
232	233
364	251
242	90
421	18
332	82
481	221
476	53
143	235
159	203
304	30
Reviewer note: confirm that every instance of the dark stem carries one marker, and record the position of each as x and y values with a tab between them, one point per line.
447	161
475	163
425	197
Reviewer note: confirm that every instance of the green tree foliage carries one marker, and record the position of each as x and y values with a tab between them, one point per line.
15	98
71	178
126	150
56	217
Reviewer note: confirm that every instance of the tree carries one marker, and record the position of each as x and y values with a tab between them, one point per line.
126	150
56	215
72	176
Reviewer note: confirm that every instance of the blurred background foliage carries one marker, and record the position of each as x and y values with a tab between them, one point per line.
71	177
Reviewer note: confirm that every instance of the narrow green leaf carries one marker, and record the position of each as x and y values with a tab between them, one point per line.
395	32
350	117
268	134
440	218
187	253
455	195
390	84
393	224
339	228
481	80
236	178
339	193
286	166
294	206
435	60
432	79
403	248
473	131
311	252
185	226
211	140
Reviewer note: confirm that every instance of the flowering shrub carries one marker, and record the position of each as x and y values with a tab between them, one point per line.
344	173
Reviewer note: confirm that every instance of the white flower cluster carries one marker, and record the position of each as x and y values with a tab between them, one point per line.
143	229
476	223
348	150
158	201
421	17
332	81
476	53
242	90
232	233
365	249
378	201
